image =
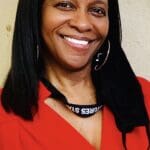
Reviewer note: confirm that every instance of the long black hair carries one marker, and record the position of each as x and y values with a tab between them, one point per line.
20	91
116	82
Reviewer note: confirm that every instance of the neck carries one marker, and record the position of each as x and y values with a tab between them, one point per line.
77	86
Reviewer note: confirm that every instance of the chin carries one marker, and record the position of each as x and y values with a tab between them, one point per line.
76	67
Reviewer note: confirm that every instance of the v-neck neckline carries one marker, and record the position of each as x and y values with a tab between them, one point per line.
45	93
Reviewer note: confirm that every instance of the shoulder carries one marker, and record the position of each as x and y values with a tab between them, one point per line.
8	129
3	114
145	85
5	118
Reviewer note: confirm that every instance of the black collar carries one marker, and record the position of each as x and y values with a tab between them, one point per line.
80	110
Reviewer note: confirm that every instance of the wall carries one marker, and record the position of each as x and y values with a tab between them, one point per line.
7	15
136	34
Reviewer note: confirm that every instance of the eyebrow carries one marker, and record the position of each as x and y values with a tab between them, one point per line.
101	1
105	2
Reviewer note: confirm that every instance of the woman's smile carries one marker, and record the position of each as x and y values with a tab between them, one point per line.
77	42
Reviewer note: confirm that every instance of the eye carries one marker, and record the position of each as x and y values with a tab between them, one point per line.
65	6
97	11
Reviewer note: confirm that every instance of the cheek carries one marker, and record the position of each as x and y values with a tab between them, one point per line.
102	28
53	20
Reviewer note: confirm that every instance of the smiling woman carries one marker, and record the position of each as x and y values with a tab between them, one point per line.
80	28
70	86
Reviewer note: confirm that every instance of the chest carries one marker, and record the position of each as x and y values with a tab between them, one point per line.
50	130
88	128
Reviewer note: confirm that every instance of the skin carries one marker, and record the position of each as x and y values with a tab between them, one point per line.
73	31
79	21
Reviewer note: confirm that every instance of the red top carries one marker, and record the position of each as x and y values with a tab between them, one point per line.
49	131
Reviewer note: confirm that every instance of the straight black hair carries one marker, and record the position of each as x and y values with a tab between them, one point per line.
20	91
116	82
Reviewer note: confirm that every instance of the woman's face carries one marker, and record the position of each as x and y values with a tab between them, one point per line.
73	30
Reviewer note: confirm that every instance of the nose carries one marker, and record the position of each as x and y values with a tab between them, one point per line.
81	22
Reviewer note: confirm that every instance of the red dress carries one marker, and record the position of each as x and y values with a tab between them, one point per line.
49	131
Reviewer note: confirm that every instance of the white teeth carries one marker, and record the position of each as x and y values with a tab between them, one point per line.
75	41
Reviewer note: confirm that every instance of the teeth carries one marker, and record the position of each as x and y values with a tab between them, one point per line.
75	41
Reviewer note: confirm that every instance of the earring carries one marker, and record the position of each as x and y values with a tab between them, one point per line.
97	66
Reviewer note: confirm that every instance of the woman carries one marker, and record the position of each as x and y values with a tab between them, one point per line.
70	85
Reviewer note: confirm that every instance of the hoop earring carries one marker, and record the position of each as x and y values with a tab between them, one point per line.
98	67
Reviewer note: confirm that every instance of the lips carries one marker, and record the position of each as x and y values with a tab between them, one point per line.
77	42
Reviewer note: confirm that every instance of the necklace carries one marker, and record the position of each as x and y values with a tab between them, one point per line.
80	110
84	110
